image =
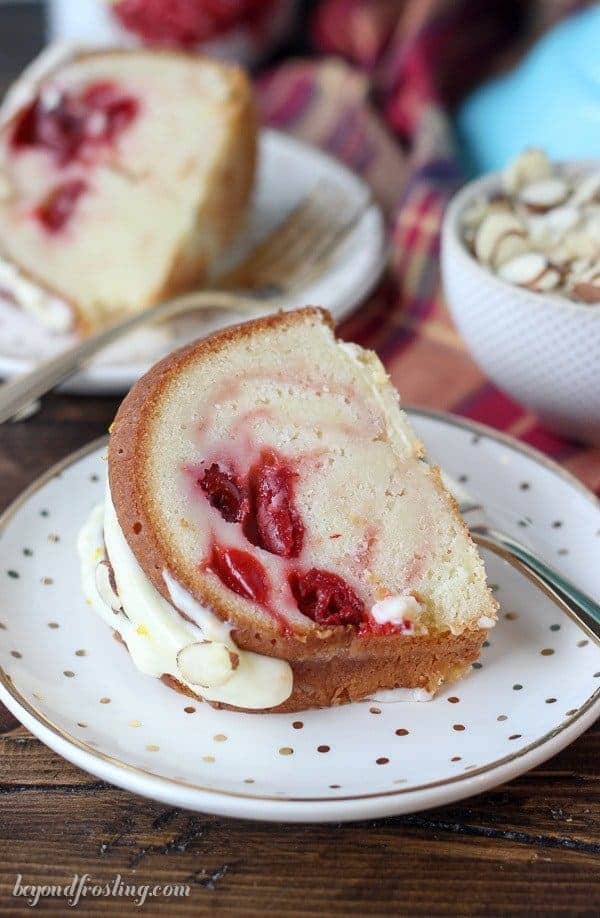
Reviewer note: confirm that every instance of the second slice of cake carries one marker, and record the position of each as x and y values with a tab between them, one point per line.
293	547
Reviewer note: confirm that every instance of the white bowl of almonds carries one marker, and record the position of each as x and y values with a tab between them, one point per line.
521	273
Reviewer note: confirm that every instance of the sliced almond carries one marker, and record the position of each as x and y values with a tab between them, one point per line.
549	228
587	190
494	228
588	291
106	590
524	270
542	195
548	280
579	244
531	166
509	247
591	228
207	663
475	213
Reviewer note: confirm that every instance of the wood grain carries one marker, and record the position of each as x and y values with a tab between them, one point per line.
529	848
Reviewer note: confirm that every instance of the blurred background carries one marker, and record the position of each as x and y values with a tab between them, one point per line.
416	97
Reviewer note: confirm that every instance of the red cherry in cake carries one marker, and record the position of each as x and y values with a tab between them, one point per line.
226	493
279	528
186	23
326	598
241	572
67	124
58	207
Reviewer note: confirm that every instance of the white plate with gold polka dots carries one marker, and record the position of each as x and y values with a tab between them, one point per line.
536	688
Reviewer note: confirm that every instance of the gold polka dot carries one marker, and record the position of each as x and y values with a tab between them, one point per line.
135	723
286	750
80	653
2	626
81	724
582	643
105	700
382	760
335	786
152	747
38	696
459	727
248	780
515	736
375	710
208	758
297	725
68	673
47	581
547	652
511	616
190	709
54	537
53	625
401	732
453	699
219	737
571	712
16	654
401	781
323	748
456	758
550	700
502	717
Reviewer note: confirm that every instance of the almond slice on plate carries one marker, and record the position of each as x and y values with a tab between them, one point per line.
495	227
207	663
545	194
105	587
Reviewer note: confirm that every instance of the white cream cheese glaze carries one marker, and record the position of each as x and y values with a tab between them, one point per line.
49	309
156	633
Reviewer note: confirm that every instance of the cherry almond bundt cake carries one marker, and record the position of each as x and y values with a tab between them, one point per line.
272	538
123	175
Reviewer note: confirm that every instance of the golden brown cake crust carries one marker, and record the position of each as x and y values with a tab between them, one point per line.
422	662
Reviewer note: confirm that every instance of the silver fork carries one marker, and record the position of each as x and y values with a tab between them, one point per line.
573	600
295	252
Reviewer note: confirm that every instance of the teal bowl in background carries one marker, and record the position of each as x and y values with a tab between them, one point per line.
550	100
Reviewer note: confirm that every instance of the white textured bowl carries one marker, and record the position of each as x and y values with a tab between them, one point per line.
542	349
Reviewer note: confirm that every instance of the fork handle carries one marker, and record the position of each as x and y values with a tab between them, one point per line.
587	609
21	391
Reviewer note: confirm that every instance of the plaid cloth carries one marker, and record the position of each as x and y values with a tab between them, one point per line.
378	100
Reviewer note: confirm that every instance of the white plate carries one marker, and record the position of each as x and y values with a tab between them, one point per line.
288	170
535	691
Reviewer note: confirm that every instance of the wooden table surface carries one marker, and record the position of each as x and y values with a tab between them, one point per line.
531	847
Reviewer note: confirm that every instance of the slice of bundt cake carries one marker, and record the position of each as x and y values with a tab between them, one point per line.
271	497
123	174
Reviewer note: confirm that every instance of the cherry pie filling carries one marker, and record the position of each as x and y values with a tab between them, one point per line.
263	503
70	126
187	23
